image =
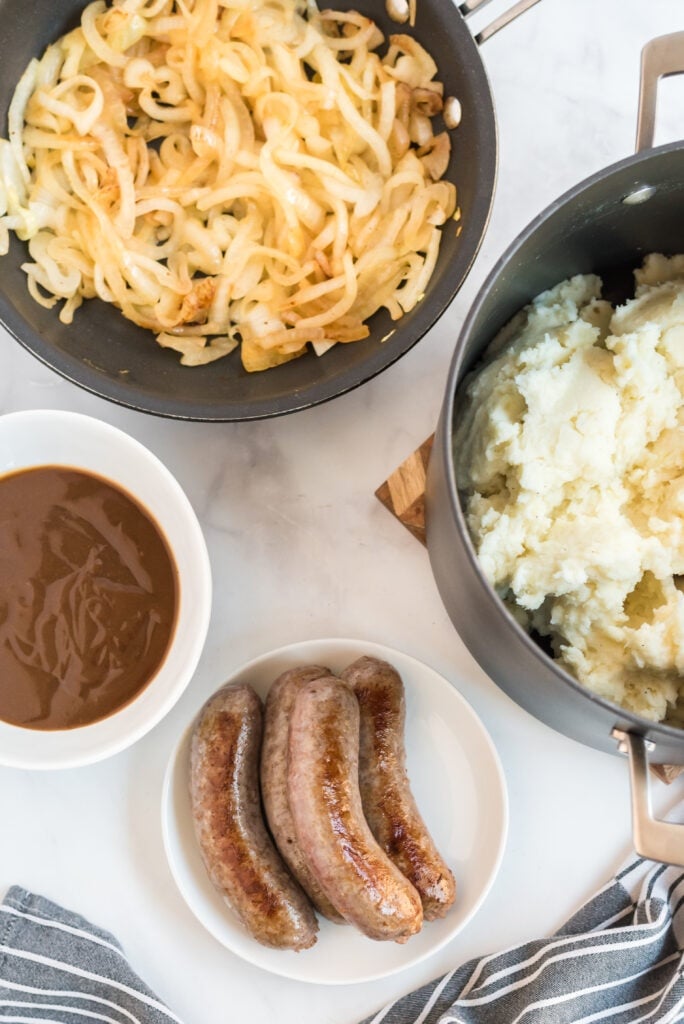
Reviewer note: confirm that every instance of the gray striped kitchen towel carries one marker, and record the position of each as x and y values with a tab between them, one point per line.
57	967
618	960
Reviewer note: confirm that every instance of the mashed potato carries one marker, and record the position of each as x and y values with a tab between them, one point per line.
570	460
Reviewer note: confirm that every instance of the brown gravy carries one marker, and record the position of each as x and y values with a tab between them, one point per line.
88	598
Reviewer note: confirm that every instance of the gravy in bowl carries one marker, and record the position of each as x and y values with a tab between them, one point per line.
88	598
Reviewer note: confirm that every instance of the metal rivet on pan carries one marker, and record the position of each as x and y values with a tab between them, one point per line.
623	746
398	10
639	195
452	112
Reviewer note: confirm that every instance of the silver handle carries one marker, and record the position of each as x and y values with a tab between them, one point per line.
661	57
653	839
468	6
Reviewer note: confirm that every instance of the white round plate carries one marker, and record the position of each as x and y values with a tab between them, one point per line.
457	781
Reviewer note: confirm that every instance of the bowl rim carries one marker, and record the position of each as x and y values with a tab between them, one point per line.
88	744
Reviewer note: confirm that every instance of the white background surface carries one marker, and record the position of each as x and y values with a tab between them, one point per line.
301	549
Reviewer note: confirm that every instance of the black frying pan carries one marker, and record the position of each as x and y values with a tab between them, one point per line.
605	225
117	360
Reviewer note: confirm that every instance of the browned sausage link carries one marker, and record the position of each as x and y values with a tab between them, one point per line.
274	756
323	788
388	802
239	855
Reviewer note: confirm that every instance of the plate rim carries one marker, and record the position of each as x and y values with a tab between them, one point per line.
377	649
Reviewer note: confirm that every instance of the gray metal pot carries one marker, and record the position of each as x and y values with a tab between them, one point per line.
605	225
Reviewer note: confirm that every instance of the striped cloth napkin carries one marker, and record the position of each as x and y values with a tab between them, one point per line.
55	966
618	960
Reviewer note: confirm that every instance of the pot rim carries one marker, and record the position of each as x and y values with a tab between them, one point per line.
643	726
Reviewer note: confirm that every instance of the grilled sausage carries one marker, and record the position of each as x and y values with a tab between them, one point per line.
238	853
323	790
274	758
386	796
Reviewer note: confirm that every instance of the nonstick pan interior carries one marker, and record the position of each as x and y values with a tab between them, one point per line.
113	358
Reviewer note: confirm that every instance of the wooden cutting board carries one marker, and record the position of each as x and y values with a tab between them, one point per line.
403	494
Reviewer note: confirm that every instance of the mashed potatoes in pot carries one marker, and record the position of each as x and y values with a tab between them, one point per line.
570	461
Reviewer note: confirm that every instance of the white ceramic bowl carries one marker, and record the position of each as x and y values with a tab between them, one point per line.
45	437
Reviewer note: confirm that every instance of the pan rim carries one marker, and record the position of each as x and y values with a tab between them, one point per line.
104	383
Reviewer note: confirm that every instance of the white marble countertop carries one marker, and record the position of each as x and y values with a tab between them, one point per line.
302	549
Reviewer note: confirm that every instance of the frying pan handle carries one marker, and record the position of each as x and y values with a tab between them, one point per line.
468	6
653	839
661	57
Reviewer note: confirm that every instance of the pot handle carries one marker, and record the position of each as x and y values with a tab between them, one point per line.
468	6
653	839
660	58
